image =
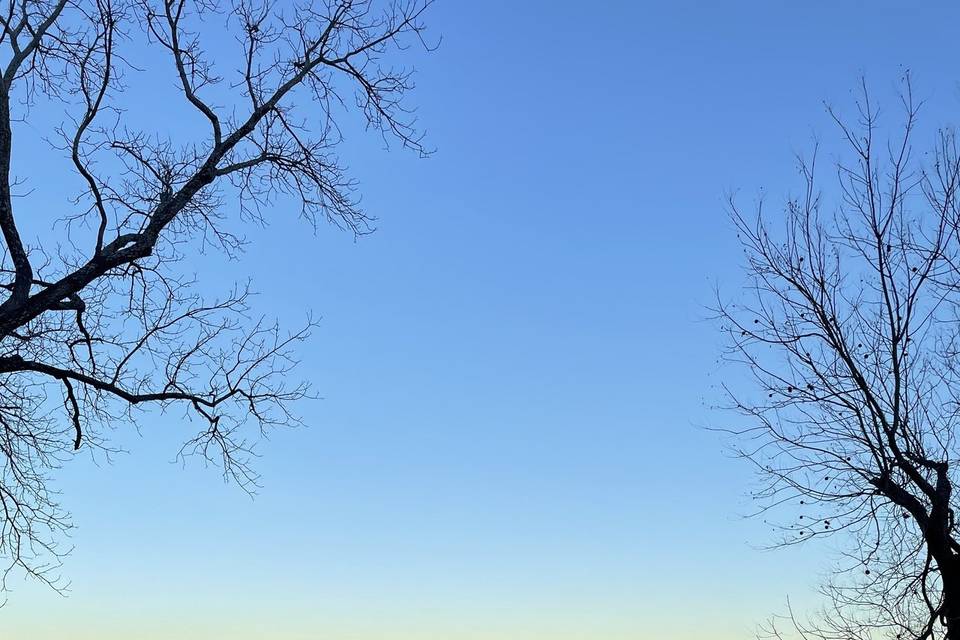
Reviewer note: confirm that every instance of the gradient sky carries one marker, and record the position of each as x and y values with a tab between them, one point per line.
516	368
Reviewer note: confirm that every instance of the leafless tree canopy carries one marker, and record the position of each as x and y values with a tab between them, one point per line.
94	328
850	327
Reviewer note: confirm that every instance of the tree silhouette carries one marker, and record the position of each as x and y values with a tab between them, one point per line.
849	326
99	322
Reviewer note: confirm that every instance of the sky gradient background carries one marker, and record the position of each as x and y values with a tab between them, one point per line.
516	368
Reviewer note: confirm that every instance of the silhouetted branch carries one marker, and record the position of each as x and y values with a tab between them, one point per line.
849	328
105	322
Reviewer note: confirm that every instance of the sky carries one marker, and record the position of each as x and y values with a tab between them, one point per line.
517	369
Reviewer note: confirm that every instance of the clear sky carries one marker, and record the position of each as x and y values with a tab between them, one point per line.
516	367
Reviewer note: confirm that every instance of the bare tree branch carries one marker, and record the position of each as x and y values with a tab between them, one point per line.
104	321
849	328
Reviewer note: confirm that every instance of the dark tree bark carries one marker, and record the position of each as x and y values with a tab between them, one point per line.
104	324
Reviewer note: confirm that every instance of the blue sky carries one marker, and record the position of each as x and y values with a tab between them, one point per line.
517	366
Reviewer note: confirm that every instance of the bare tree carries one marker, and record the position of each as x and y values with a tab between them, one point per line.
99	322
849	326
